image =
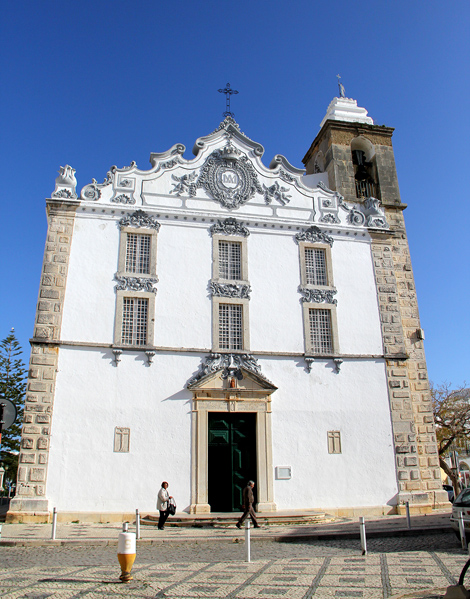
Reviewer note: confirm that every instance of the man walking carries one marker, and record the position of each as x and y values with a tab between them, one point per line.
248	500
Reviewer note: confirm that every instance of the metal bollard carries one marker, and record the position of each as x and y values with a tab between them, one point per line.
362	528
247	541
463	538
408	519
137	524
54	523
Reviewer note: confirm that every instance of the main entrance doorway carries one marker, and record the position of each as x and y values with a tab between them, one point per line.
231	458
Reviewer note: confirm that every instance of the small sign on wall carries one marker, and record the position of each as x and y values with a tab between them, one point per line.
283	472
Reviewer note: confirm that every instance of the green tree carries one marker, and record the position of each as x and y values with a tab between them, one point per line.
452	416
12	387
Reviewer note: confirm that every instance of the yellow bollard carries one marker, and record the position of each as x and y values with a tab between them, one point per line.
126	553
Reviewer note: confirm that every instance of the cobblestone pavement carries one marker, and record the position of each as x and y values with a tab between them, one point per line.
394	567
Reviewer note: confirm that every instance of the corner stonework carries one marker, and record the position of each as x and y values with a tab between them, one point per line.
30	503
417	460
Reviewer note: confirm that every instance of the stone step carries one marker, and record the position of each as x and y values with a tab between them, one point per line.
230	519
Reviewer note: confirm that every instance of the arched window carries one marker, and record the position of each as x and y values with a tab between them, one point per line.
363	157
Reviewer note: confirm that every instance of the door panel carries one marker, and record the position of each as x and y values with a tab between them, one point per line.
232	458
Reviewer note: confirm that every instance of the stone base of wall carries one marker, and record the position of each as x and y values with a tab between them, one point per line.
423	503
28	517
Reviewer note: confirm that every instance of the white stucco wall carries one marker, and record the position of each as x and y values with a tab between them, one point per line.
183	317
94	396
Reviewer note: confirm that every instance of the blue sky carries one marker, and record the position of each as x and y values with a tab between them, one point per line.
93	84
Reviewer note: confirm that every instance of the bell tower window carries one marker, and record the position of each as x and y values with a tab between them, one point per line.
363	175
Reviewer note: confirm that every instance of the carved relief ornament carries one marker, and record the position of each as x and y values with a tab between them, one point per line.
139	218
136	283
229	178
238	290
314	235
318	295
230	364
229	226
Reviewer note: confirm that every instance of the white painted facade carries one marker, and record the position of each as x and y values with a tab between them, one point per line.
95	393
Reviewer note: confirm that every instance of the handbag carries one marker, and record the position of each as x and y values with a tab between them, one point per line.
171	507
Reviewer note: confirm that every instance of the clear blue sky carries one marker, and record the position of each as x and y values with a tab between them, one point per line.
93	84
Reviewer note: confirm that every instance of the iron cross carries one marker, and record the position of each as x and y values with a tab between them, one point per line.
228	92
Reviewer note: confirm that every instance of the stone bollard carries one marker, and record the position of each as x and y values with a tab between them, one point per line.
126	552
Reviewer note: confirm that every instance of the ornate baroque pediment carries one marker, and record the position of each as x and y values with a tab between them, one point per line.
230	365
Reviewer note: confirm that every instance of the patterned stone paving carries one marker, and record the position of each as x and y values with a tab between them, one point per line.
293	571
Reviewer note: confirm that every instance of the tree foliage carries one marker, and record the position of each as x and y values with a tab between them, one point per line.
452	416
12	387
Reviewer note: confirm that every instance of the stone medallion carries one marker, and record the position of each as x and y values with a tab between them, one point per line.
229	177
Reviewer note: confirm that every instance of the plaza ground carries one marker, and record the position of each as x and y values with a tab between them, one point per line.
319	561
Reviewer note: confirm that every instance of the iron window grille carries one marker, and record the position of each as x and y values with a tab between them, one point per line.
134	321
138	253
321	338
230	260
230	326
315	267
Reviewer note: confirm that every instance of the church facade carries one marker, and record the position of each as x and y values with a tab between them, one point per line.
214	320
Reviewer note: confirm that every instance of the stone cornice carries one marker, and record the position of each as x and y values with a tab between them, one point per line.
355	128
60	204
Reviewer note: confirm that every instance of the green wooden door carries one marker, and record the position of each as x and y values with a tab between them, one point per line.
232	459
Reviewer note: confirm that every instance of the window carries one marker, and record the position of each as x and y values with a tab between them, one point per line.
315	266
134	321
230	260
138	253
321	339
230	326
334	442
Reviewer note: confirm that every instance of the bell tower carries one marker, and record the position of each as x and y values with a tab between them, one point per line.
358	157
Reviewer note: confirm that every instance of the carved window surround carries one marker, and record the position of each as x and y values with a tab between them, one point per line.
309	350
216	301
120	295
152	233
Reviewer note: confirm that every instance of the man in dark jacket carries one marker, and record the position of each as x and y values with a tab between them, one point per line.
248	500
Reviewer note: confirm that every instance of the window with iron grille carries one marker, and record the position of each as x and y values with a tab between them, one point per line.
134	321
230	260
230	326
321	338
315	266
138	253
334	442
